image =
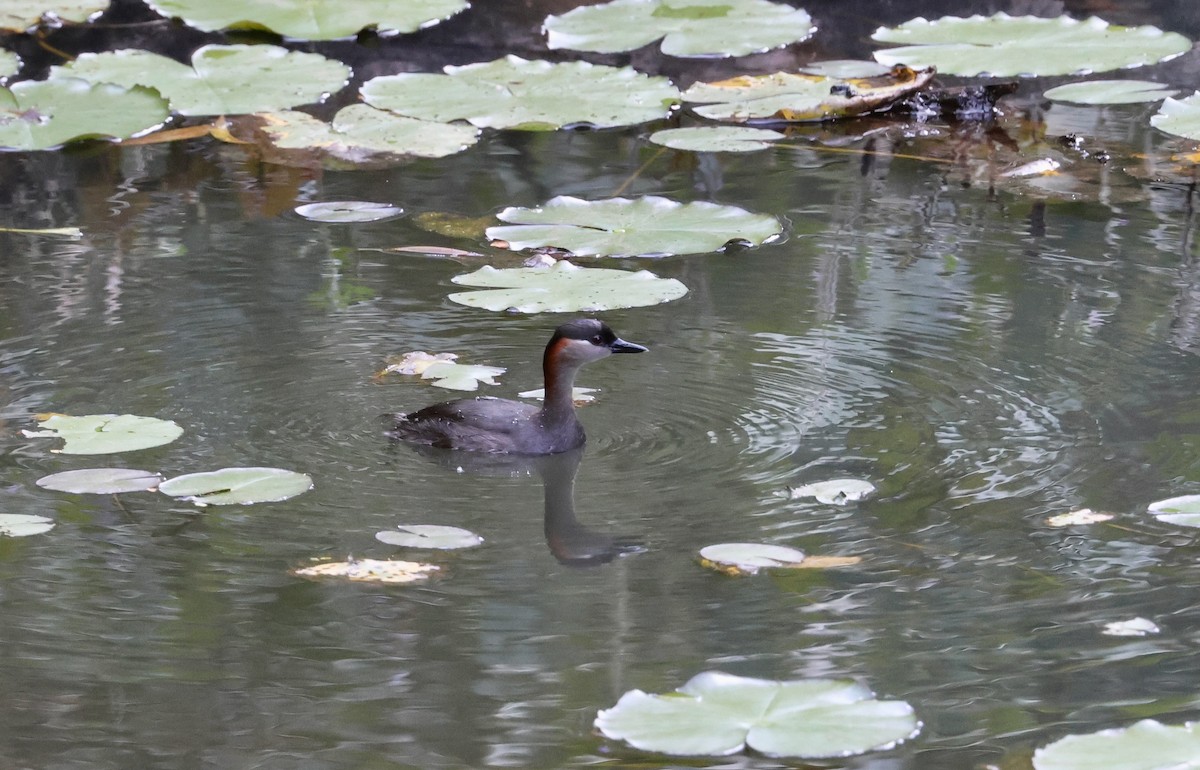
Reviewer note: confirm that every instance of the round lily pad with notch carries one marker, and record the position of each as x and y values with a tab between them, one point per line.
221	80
360	133
1110	92
1180	117
716	138
23	525
1183	511
391	571
429	536
22	15
311	19
1005	46
834	491
632	227
45	114
564	288
717	714
342	212
101	481
534	95
237	486
1145	745
97	434
687	27
749	558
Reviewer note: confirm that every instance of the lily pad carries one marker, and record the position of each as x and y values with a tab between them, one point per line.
97	434
716	138
371	571
834	491
1180	117
44	114
1132	627
10	64
23	525
1111	92
1004	46
688	27
716	714
311	19
222	79
237	486
21	15
846	68
101	481
1145	745
564	288
348	211
749	558
624	227
533	95
1184	511
359	133
462	376
429	536
1083	516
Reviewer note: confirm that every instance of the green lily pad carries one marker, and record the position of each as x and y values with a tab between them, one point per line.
359	132
21	15
834	491
749	558
44	114
23	525
1110	92
564	288
717	714
1145	745
1004	46
624	227
237	486
101	481
97	434
716	138
845	68
532	95
10	64
429	536
1184	511
222	79
1180	117
688	27
348	211
311	19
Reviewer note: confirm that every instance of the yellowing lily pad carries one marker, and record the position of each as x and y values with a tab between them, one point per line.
1110	92
362	134
348	211
1146	745
564	288
96	434
716	138
749	558
44	114
237	486
371	571
1080	517
429	536
23	525
101	481
688	27
21	15
311	19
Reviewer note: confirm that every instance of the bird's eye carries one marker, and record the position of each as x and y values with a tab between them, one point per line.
598	340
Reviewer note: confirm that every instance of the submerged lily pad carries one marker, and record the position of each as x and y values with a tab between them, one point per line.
10	64
429	536
515	93
21	15
360	132
1110	92
348	211
716	714
97	434
237	486
101	481
834	491
688	27
716	138
1180	117
371	571
1184	511
749	558
23	525
624	227
222	79
1146	745
564	288
311	19
1004	46
44	114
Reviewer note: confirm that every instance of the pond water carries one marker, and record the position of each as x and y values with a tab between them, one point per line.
986	357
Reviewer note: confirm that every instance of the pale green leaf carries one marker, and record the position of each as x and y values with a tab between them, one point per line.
10	64
749	558
360	132
1145	745
21	15
1183	511
311	19
564	288
101	481
96	434
834	491
44	114
716	138
845	68
23	525
237	486
461	376
348	211
429	536
1110	92
1180	117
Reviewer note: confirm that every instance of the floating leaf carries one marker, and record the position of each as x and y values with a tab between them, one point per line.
716	138
1134	627
792	97
21	15
624	227
846	68
1146	745
66	232
429	536
416	362
360	133
1180	117
101	481
717	714
1184	511
434	251
1080	517
462	376
453	225
835	491
1110	92
1039	167
828	562
535	95
97	434
348	211
564	288
10	64
222	79
371	571
578	395
237	486
688	27
23	525
749	558
1003	45
311	19
44	114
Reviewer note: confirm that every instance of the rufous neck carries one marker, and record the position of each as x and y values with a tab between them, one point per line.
560	384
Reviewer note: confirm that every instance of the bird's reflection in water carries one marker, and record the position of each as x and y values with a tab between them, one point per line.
571	542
